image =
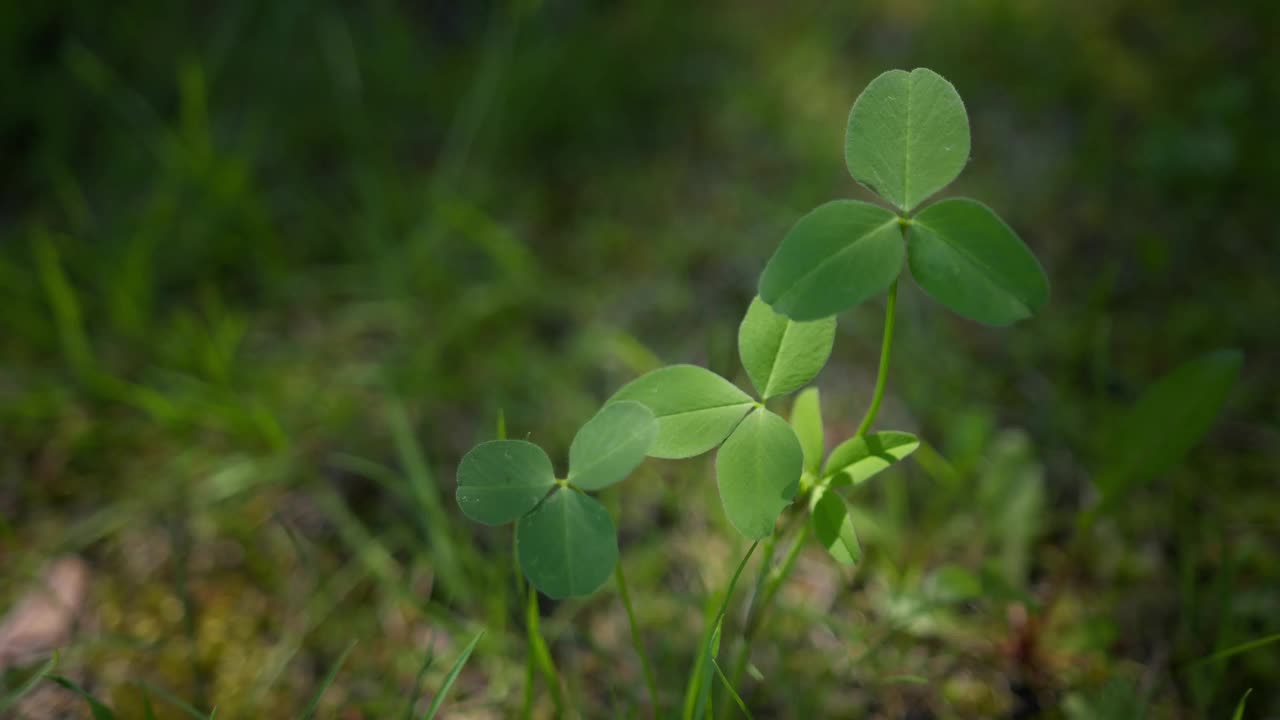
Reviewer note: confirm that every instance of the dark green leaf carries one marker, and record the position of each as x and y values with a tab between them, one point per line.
965	257
500	480
908	136
835	257
611	445
696	408
567	546
758	471
1168	420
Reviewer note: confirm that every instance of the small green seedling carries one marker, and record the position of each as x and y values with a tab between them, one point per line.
907	139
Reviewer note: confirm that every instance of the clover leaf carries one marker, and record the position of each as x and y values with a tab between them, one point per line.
566	543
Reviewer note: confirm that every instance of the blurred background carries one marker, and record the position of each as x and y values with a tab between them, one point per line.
267	270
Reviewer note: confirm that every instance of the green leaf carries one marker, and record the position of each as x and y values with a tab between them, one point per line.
438	701
500	480
97	708
859	458
567	546
806	420
758	470
953	584
1168	420
611	445
696	408
1239	713
965	257
833	527
835	257
328	680
1237	649
26	686
175	701
780	354
908	136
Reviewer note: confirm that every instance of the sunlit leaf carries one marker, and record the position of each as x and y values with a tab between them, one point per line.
696	408
500	480
837	256
833	527
611	445
908	136
859	458
1168	420
780	354
965	257
758	471
567	546
806	420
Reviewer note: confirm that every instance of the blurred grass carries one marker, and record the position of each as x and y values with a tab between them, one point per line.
266	271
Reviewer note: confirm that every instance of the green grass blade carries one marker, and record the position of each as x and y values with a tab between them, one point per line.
1239	713
328	680
637	641
427	662
737	699
97	707
28	685
1237	649
698	697
174	700
438	700
148	712
437	524
541	653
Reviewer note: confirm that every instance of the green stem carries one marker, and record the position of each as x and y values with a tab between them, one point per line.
539	653
882	376
542	653
649	678
768	582
698	695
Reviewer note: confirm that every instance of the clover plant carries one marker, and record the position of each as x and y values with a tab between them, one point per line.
907	139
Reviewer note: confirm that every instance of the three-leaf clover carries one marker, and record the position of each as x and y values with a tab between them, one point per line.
907	138
760	459
566	542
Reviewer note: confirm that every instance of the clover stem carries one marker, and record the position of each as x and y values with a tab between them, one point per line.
697	698
882	376
636	641
768	582
539	654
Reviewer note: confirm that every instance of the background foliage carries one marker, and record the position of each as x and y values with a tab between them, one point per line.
268	270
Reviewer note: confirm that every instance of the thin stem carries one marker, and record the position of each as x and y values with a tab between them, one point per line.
649	678
882	376
539	654
698	696
768	582
542	653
